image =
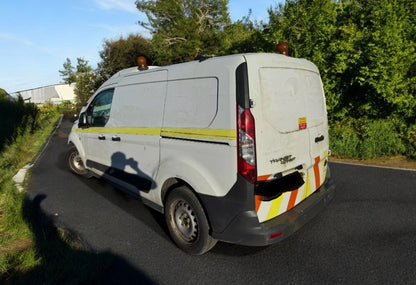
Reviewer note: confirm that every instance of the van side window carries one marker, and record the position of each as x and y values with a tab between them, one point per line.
98	112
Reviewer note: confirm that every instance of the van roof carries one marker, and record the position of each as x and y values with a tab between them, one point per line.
284	61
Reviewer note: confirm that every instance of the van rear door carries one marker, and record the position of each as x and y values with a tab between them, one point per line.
290	114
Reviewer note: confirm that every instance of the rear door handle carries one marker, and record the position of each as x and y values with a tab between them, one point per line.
116	138
101	137
319	139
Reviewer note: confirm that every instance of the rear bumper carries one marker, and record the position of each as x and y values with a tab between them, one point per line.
245	229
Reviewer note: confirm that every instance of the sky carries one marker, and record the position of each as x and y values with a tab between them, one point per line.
36	37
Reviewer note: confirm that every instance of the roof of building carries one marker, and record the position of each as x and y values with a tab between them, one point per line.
48	94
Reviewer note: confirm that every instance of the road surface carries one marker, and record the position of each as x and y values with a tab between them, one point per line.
367	235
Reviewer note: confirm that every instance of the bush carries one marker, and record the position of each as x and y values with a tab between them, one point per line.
380	138
16	118
410	141
365	139
344	141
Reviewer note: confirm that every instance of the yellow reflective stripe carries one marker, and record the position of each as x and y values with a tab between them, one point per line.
127	131
200	133
168	132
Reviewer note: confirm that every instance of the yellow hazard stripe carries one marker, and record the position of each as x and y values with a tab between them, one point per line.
127	131
200	133
275	207
166	132
315	176
307	188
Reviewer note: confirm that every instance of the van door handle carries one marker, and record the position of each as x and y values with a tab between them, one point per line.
101	137
115	139
319	139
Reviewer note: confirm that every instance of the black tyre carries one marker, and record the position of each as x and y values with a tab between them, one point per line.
75	163
187	222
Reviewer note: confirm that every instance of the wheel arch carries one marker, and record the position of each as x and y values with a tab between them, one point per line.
75	140
171	184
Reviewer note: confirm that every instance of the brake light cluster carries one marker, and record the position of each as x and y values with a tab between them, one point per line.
246	145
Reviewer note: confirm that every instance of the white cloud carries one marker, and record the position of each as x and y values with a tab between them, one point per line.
20	41
16	39
123	5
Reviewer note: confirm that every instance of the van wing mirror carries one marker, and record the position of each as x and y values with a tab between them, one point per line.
82	122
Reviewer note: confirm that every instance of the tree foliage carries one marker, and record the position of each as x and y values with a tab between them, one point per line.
68	73
85	78
182	30
3	94
86	84
365	51
16	117
245	35
122	53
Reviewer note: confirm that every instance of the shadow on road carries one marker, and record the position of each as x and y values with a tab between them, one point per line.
61	263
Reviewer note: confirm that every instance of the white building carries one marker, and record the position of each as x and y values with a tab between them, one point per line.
54	94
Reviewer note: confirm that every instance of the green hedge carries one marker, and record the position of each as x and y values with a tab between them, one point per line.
16	118
366	139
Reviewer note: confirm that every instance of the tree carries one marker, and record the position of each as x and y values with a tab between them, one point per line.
122	53
86	84
310	28
3	94
182	30
85	79
389	57
68	73
245	35
365	51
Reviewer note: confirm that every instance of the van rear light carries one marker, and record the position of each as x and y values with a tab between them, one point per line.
246	145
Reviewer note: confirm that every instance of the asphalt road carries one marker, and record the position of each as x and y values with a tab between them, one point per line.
366	236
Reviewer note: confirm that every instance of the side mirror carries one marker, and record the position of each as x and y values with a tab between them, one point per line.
82	122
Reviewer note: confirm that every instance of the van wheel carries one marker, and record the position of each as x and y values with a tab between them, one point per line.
187	222
76	164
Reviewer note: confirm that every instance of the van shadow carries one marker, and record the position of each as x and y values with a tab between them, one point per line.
127	187
128	200
139	180
61	263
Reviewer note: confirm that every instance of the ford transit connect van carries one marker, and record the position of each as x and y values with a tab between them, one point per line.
231	148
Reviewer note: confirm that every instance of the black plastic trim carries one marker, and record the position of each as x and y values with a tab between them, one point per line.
194	140
242	87
222	210
234	219
246	229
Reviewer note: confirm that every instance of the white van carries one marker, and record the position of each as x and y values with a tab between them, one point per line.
231	148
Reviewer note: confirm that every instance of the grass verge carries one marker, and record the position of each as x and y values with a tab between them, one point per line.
32	249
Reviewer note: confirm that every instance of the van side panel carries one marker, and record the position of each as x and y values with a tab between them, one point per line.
192	103
199	127
134	130
202	154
